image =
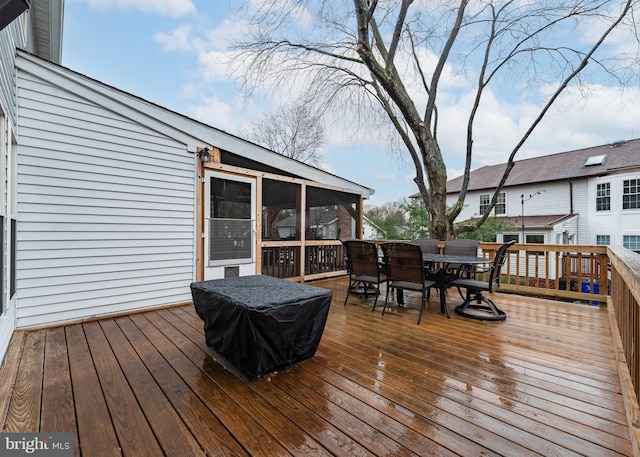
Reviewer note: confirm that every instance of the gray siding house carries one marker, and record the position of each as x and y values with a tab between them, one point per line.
108	205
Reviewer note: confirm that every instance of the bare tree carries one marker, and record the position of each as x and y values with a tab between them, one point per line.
396	54
295	131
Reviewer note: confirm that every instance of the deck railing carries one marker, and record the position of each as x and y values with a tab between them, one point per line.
625	317
303	261
570	272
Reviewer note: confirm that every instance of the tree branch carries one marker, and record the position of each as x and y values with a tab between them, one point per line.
397	33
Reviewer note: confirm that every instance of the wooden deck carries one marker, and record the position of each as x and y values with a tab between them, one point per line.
543	382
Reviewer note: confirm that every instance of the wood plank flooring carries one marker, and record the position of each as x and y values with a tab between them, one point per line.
543	383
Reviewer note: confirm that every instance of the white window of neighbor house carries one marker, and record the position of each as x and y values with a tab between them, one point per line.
485	199
510	237
603	197
501	204
603	240
631	242
631	194
534	238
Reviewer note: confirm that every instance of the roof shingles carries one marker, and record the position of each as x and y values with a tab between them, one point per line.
555	167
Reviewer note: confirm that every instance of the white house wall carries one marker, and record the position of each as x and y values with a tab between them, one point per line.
10	37
554	200
617	222
106	210
581	207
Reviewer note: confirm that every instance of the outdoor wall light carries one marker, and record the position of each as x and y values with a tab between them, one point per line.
205	157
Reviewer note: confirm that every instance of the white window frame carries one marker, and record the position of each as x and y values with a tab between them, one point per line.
486	197
501	204
603	196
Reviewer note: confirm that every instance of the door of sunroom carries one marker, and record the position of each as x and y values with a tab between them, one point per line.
230	225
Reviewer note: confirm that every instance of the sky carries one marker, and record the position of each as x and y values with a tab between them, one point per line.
171	52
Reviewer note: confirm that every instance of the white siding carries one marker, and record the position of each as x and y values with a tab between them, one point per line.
554	200
617	222
581	205
10	38
106	210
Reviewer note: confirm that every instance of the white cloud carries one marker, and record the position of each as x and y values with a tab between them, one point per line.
216	112
179	39
602	116
385	175
579	119
170	8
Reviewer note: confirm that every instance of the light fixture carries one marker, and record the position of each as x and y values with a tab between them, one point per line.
522	200
205	157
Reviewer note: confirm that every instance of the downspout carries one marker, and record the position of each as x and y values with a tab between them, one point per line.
571	207
571	197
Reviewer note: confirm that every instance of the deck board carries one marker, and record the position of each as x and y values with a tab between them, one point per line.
542	382
58	414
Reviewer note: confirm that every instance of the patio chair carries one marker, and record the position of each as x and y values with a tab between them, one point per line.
429	246
467	248
475	288
406	271
365	271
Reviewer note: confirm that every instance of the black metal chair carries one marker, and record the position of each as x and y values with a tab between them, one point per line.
365	272
475	288
406	271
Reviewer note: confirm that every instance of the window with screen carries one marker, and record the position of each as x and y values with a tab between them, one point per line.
231	224
280	213
330	215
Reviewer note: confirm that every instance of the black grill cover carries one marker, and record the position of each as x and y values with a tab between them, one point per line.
260	323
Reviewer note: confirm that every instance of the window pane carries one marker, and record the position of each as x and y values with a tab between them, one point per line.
603	197
630	194
510	237
484	203
501	204
535	238
603	240
330	214
230	225
230	199
631	242
230	239
280	214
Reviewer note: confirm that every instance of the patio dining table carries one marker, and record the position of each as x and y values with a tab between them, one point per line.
444	260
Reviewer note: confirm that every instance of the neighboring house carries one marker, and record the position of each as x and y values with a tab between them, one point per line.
112	204
369	229
587	196
322	224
